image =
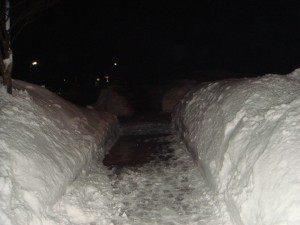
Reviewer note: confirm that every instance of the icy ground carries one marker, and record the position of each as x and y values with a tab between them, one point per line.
160	192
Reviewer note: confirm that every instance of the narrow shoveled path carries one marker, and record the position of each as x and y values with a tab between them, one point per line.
136	150
148	179
143	139
154	180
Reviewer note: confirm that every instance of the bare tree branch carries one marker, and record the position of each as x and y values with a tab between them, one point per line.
20	13
27	11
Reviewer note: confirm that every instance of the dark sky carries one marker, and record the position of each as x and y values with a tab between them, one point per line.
162	39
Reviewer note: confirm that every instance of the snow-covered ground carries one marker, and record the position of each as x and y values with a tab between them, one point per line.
244	135
51	170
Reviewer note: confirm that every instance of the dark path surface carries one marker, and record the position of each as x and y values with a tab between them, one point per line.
146	117
134	150
143	139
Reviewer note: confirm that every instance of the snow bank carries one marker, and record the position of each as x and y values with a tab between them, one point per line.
244	136
45	143
173	96
111	101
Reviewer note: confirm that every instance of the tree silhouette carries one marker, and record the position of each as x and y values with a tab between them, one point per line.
15	15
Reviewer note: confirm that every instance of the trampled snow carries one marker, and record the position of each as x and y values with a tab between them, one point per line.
45	143
244	135
166	192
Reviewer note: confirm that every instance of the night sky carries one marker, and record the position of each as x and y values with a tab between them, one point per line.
153	40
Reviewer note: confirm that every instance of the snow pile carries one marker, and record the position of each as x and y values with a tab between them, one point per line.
111	101
88	200
172	97
244	135
45	143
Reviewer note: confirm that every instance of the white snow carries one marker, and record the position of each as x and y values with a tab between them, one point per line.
45	144
244	135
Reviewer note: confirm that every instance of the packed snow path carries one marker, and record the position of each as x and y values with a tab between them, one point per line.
166	190
149	179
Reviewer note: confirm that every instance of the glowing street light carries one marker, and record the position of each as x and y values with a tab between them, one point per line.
34	63
97	81
115	64
32	69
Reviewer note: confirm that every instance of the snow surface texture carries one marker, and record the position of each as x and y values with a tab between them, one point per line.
173	96
45	143
161	192
111	101
166	192
244	136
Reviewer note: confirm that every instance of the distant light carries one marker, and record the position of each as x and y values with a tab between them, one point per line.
106	78
65	79
115	64
97	79
34	63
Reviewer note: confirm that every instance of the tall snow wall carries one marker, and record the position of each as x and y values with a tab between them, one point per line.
45	143
244	135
